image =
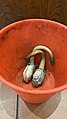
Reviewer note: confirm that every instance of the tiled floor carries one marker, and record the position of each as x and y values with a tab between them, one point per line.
54	108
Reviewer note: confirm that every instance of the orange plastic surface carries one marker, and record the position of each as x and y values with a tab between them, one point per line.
17	40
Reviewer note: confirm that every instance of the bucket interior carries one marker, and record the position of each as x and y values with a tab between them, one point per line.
18	40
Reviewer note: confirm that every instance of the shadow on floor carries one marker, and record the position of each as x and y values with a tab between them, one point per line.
45	109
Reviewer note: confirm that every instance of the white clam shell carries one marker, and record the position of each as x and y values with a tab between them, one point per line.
28	72
38	77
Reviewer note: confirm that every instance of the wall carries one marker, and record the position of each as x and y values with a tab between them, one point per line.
14	10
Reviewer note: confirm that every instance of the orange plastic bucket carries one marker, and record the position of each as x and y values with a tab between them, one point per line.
17	40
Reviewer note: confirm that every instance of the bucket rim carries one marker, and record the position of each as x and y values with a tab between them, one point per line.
21	89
